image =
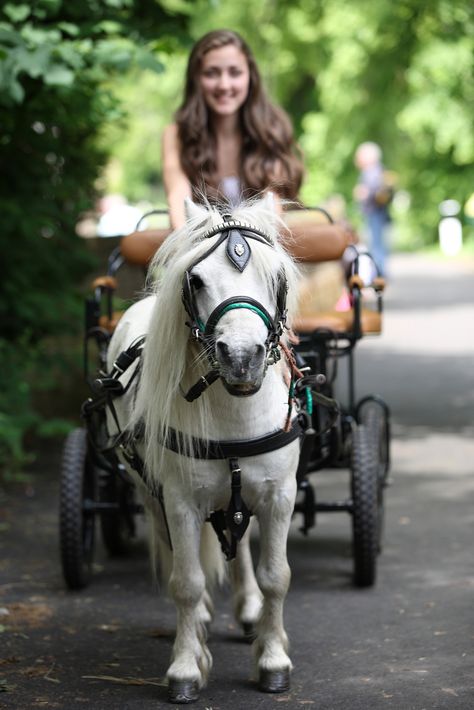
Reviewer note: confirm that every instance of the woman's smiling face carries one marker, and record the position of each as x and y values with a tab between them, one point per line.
224	79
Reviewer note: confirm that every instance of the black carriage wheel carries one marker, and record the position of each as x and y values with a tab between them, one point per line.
365	528
375	419
76	522
374	416
117	526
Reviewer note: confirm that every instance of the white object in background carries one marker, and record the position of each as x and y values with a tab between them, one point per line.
118	221
450	228
450	236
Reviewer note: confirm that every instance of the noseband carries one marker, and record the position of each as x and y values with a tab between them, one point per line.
238	251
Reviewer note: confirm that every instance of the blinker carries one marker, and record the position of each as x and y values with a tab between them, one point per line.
237	249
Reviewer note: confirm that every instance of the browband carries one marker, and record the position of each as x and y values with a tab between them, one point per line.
234	224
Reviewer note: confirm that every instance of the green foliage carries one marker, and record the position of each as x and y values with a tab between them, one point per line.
135	167
15	412
57	60
399	73
87	87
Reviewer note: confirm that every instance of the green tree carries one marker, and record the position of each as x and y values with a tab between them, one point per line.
57	60
399	73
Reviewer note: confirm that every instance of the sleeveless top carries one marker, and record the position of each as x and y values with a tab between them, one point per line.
231	189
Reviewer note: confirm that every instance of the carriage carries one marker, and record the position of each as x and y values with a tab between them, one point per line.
356	436
95	478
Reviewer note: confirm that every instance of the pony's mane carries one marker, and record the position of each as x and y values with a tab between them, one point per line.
172	362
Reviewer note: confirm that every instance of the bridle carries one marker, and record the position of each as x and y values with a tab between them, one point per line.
238	251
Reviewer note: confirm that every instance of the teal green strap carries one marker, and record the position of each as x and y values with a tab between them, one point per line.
250	307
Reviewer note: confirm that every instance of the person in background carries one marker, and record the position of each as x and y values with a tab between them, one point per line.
373	196
229	141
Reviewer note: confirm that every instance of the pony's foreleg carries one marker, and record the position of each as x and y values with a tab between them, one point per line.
247	597
273	575
191	661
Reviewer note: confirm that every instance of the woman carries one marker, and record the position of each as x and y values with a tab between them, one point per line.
229	141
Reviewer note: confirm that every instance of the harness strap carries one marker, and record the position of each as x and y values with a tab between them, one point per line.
202	384
134	460
235	519
237	514
226	449
218	522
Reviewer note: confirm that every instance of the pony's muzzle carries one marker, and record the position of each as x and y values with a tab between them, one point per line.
241	366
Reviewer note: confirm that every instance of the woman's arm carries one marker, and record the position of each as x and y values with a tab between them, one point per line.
177	185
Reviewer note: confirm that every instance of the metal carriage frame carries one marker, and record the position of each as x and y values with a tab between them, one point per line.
355	436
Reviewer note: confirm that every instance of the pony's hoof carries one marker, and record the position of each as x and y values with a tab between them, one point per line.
250	631
182	692
274	681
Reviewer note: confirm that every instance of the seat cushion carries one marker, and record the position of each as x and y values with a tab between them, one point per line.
339	321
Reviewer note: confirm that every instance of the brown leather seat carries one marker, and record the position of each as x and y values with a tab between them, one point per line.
339	321
139	247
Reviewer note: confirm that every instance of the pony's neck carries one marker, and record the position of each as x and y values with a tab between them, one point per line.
249	417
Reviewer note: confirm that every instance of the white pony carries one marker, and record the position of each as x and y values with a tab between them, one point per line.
248	401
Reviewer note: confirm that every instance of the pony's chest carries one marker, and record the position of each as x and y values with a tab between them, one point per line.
263	479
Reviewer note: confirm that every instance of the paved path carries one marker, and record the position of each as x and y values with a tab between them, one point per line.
407	644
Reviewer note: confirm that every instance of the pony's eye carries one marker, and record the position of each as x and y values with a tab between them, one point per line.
196	282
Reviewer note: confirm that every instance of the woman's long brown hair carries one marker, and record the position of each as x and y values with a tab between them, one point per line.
269	156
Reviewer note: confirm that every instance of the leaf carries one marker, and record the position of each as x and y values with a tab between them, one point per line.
71	53
47	7
118	3
16	13
183	6
38	37
69	29
147	60
16	91
58	75
34	63
108	27
114	53
9	35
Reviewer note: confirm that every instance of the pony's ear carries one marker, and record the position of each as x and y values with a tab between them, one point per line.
194	211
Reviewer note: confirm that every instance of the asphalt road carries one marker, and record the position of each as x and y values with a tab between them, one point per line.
406	644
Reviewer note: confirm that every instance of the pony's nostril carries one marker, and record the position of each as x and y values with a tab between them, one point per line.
258	354
223	350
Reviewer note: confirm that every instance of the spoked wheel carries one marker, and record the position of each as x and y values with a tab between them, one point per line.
365	519
78	489
373	414
117	525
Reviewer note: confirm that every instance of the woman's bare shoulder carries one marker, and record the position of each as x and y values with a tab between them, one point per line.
170	134
170	143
